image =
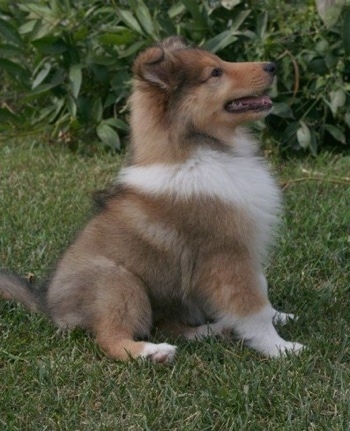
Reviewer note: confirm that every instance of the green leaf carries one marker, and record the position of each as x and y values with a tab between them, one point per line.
117	123
347	118
282	110
44	114
261	24
313	143
96	110
40	77
103	60
337	100
15	70
346	31
239	19
117	36
129	20
230	4
10	33
337	134
145	18
304	135
199	17
72	105
131	50
220	41
227	37
58	104
75	78
108	135
28	26
9	50
329	11
41	89
50	45
36	10
43	29
176	9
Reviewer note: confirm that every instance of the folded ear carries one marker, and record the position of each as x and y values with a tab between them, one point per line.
174	43
157	64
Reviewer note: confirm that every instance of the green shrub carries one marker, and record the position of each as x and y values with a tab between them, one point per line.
312	94
66	63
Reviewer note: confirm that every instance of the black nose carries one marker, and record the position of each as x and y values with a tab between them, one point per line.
270	68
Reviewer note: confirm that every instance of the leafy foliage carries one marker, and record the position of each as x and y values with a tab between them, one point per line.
312	92
66	63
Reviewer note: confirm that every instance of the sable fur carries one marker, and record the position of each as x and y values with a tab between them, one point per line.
182	250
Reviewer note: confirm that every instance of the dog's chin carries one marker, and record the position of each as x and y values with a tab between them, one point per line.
256	105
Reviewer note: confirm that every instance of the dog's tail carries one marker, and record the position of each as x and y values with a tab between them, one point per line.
16	288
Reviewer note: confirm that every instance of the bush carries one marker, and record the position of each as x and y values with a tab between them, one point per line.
312	94
67	63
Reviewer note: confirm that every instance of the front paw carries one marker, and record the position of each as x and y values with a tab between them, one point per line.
286	348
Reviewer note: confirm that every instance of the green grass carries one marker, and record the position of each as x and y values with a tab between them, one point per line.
51	381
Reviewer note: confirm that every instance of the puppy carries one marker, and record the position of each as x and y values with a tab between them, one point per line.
180	240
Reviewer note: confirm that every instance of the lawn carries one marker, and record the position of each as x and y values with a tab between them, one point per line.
53	381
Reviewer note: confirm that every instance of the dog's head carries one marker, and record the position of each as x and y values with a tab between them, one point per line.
200	88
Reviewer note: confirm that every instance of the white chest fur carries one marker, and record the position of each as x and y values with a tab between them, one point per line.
242	181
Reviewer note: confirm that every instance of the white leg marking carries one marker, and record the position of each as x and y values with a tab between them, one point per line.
158	352
258	332
279	318
263	283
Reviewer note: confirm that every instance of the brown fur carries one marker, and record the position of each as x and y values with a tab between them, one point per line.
165	135
145	259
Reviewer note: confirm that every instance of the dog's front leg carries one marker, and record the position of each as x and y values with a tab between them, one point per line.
258	332
279	318
239	296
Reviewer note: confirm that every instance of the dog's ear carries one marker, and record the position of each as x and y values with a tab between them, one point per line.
157	65
173	43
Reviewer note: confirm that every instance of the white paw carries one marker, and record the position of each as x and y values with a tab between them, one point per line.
285	348
163	352
281	318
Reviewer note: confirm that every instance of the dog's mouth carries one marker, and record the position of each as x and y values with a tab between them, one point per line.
252	103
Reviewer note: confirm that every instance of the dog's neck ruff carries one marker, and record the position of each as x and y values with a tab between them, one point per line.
242	181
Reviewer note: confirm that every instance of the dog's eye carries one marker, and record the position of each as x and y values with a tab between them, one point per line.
217	72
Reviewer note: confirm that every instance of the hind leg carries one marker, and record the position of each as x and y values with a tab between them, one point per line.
123	313
118	342
112	303
120	317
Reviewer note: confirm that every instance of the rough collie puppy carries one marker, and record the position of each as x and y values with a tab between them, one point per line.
179	241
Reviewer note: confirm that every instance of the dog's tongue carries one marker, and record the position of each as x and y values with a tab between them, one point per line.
249	103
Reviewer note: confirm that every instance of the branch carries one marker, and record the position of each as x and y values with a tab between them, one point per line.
341	181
